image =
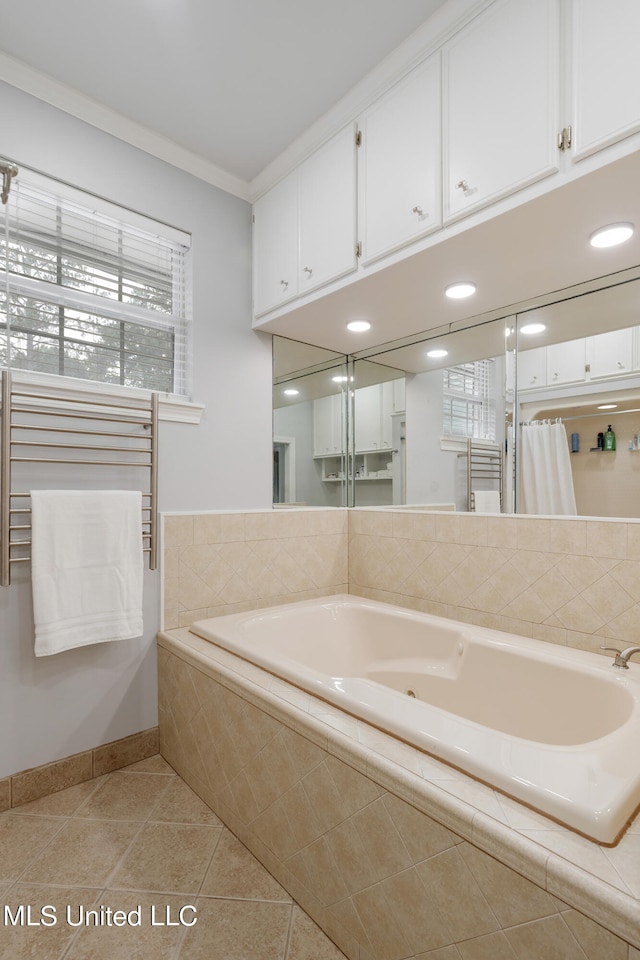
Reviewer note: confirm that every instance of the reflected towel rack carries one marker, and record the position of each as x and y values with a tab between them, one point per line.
38	426
484	462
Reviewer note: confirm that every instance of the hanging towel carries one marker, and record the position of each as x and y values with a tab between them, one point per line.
486	501
86	567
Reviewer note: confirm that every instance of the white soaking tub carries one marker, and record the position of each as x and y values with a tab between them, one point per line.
554	727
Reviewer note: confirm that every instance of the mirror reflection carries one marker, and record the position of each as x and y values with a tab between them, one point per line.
309	425
579	405
537	411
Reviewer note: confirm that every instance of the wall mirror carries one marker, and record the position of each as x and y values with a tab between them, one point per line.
474	428
309	425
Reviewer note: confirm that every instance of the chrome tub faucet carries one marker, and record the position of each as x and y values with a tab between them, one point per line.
621	658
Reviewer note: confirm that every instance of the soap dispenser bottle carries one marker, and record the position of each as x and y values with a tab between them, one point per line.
609	439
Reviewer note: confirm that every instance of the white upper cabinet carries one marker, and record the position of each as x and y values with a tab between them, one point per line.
399	164
275	245
611	354
532	368
328	433
500	87
605	72
304	228
328	212
566	362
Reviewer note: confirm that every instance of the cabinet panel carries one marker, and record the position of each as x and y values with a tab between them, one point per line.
566	362
531	368
610	354
605	72
399	164
275	245
368	418
328	435
328	212
500	103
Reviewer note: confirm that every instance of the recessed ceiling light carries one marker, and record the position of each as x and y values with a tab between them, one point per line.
358	326
611	235
607	406
291	392
530	328
460	290
437	354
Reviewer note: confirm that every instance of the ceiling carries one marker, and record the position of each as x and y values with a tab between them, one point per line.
233	82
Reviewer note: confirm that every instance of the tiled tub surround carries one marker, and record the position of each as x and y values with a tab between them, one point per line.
394	854
217	563
474	698
567	581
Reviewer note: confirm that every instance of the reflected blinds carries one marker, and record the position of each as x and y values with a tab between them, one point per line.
468	400
91	290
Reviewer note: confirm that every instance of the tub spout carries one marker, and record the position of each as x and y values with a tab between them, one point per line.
621	658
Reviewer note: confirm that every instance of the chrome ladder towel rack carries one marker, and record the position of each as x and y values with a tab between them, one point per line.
40	426
484	462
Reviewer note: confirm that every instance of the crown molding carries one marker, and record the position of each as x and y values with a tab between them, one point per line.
18	74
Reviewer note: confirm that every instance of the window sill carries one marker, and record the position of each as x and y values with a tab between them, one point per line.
171	406
459	444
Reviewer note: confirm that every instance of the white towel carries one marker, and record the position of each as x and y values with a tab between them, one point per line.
486	501
86	567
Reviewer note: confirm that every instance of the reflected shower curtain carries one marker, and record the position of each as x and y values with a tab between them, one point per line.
546	481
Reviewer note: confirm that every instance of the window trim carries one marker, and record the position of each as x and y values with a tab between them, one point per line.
172	406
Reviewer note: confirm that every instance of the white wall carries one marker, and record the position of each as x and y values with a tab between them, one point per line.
52	707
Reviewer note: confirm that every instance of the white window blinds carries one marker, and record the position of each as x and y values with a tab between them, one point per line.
468	400
91	290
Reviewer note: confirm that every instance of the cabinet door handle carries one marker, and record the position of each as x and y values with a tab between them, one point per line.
418	210
463	185
285	283
308	271
620	364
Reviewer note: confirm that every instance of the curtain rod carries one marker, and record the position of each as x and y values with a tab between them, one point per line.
583	416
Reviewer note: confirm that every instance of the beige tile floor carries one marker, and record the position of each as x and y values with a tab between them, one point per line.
135	840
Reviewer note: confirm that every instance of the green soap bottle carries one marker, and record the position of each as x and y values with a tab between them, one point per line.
609	439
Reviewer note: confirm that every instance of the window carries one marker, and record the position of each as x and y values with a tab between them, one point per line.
468	400
90	290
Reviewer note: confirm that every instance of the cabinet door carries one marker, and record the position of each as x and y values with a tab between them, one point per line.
566	362
327	426
606	72
390	394
368	418
399	164
275	246
328	212
501	103
531	368
610	354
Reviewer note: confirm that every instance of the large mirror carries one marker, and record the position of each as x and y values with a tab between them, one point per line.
534	410
309	425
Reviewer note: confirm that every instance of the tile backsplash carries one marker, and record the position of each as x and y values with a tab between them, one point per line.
569	581
218	563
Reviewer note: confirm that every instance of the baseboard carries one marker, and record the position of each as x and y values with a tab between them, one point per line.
51	777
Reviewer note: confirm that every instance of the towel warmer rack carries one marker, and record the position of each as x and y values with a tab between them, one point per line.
484	462
37	426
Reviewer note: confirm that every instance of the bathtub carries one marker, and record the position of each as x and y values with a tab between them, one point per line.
558	729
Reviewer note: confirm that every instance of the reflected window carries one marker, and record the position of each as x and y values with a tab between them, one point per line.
469	400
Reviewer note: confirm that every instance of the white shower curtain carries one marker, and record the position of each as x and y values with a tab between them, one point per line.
546	481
